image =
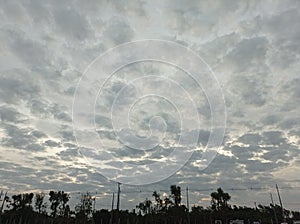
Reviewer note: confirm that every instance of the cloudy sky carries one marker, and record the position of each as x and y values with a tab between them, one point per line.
149	112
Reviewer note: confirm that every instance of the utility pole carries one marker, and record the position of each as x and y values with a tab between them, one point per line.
187	198
94	205
113	201
284	218
118	196
276	219
112	209
188	203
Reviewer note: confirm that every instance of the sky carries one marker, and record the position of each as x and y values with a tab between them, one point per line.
151	93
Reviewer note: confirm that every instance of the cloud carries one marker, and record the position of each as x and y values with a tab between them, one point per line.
71	24
22	138
17	85
118	31
9	114
252	48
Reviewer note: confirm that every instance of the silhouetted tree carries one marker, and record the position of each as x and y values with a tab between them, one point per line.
175	194
158	201
145	207
59	201
219	199
85	208
40	205
21	201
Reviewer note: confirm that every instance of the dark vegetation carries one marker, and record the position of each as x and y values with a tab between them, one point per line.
28	208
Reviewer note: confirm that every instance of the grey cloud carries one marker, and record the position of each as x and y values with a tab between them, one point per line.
221	163
22	138
70	91
274	155
271	119
17	85
44	108
251	90
9	114
248	53
66	134
172	122
35	147
38	11
39	106
203	136
60	113
135	7
118	31
69	154
242	153
273	138
103	121
52	143
111	91
290	123
72	24
252	139
205	110
107	134
56	40
13	11
283	26
214	51
255	166
30	51
38	134
292	91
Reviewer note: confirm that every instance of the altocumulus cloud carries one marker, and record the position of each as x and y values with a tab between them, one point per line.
253	48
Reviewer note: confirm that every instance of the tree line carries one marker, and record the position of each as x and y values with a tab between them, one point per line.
29	208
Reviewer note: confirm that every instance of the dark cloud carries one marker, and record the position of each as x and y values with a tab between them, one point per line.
67	134
271	119
274	138
22	138
17	85
30	51
9	114
71	23
248	53
251	90
52	143
118	31
280	31
291	90
251	139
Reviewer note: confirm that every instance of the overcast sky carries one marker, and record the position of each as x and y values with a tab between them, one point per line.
252	50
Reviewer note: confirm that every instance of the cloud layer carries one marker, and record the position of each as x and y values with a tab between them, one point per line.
252	47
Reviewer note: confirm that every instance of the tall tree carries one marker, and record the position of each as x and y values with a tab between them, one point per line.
145	207
219	199
40	205
85	207
22	201
175	195
59	201
158	200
